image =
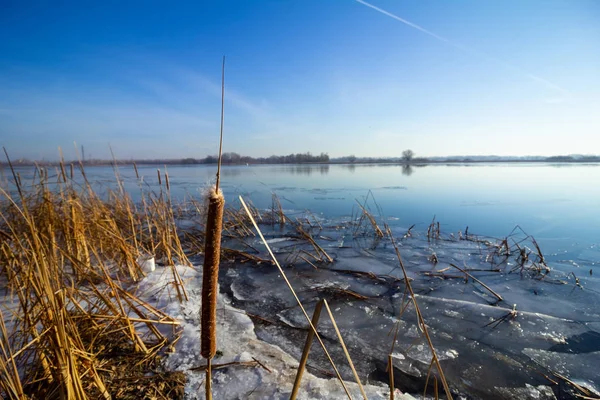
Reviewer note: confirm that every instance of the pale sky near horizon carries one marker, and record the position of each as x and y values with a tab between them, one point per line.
370	78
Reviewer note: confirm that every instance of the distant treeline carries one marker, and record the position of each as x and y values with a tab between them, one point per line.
235	158
573	159
462	160
323	158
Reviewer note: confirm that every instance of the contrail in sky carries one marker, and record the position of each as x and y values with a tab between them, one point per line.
464	48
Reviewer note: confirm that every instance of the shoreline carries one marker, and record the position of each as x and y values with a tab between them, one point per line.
109	163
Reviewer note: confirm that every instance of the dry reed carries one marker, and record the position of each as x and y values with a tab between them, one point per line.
66	257
306	351
496	295
422	326
283	274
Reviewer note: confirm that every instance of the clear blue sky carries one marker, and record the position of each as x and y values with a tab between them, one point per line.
507	77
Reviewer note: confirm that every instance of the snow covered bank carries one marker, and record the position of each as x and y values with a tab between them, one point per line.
237	342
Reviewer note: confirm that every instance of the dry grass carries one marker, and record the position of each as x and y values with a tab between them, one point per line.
67	257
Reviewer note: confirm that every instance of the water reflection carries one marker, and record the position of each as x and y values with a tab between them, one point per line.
293	169
307	169
407	169
350	167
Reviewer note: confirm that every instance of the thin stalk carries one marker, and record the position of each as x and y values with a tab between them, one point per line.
339	335
209	379
295	297
306	351
391	375
420	318
222	123
478	281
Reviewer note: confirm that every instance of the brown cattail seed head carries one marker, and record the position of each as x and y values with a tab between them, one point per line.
210	274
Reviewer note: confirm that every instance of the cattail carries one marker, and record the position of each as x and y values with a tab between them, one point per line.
210	275
63	172
212	255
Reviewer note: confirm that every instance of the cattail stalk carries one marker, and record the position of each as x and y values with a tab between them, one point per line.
210	281
210	275
212	255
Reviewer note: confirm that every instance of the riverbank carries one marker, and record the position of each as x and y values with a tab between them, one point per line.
476	160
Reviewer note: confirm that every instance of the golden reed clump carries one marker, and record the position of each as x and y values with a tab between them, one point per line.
210	275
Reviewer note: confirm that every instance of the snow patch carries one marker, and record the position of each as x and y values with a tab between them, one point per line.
236	341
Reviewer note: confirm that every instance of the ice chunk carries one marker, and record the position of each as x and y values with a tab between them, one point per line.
146	263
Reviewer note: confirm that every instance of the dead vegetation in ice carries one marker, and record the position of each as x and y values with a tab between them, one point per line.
245	367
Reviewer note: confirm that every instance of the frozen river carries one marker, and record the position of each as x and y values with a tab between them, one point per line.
487	351
556	204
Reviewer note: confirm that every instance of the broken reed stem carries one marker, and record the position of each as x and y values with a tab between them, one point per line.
339	335
420	318
318	249
371	219
253	363
306	351
478	281
391	375
314	330
210	274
